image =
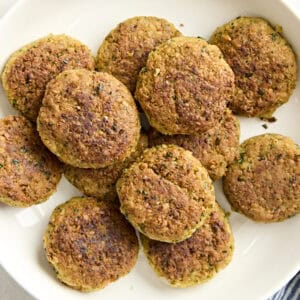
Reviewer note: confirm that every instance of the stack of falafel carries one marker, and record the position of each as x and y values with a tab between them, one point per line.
86	124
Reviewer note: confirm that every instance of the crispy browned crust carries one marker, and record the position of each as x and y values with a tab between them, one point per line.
89	243
101	182
215	148
125	50
29	69
196	259
264	184
29	173
263	62
88	119
185	86
166	194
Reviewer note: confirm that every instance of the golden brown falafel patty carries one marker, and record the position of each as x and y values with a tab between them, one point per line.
185	86
166	194
215	148
29	173
263	63
101	182
88	119
125	50
29	69
89	243
264	184
196	259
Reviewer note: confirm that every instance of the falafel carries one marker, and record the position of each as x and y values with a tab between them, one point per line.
28	70
196	259
263	63
166	194
185	86
215	148
100	183
88	119
29	173
125	49
264	184
89	243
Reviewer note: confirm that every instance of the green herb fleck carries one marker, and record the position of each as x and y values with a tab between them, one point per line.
15	162
218	141
242	157
99	88
265	126
273	36
24	149
261	92
114	127
142	192
47	174
1	166
169	154
200	37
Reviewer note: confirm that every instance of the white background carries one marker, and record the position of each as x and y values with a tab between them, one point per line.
9	290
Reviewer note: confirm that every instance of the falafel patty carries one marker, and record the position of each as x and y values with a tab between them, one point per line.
89	243
196	259
88	119
29	173
264	184
125	50
29	69
215	148
263	63
100	183
166	194
185	86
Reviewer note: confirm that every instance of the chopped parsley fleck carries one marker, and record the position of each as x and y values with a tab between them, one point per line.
15	161
242	157
169	154
261	92
218	141
99	88
114	127
24	149
1	166
273	36
265	126
142	192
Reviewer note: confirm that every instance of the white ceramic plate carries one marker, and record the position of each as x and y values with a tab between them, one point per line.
266	256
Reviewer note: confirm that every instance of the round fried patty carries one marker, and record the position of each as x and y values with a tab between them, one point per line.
263	63
29	69
101	182
29	173
185	86
88	119
166	194
196	259
125	50
215	148
89	243
264	184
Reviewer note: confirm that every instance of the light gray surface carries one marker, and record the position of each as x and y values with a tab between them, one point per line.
9	289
